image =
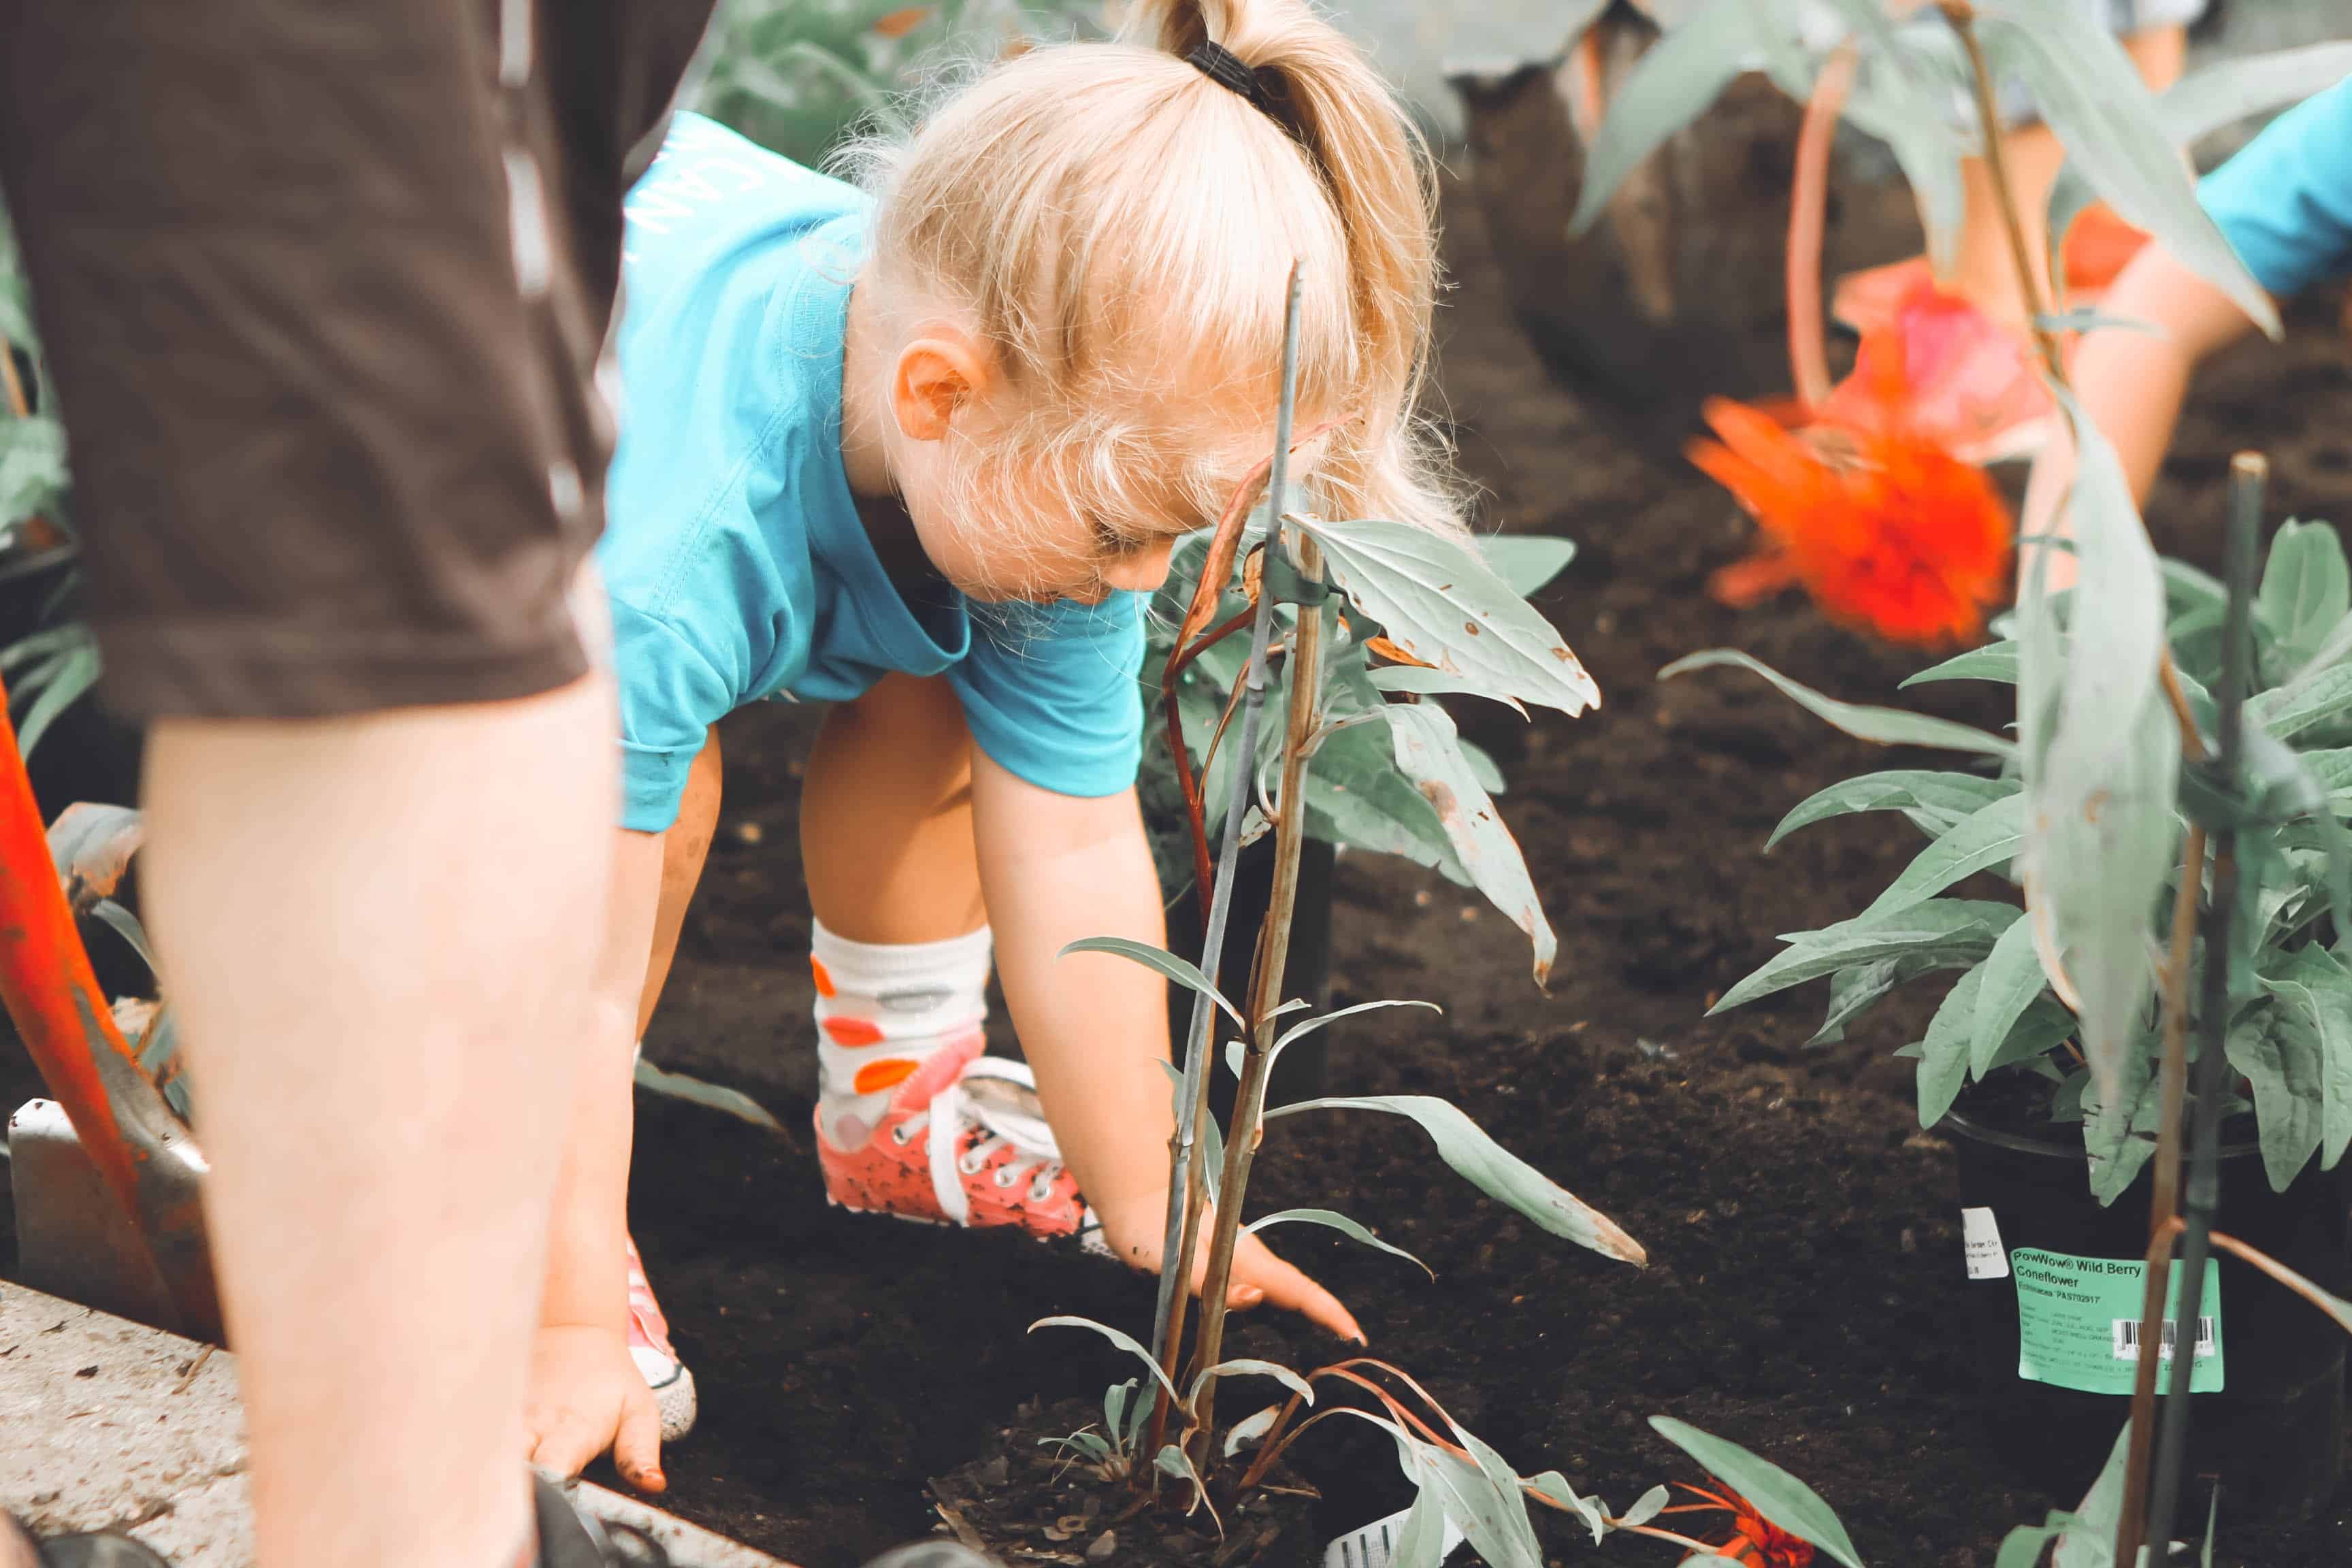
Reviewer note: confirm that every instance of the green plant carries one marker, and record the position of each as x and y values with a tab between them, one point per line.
796	76
2112	750
2290	1028
55	662
1372	786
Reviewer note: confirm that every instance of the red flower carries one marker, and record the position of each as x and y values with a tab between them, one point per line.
1867	507
1755	1540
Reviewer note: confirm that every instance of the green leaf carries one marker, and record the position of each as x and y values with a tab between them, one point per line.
1881	726
1181	970
1646	1507
1493	1170
66	682
1778	1495
1124	1341
1944	1054
1427	752
2305	703
1250	1429
2278	1051
32	466
1901	97
2039	1030
1853	992
1439	602
1332	1220
1526	562
1421	1543
1497	1523
2013	979
1553	1487
1244	1366
1950	930
2305	591
2102	780
710	1096
127	925
2316	985
1994	661
1414	680
1311	1024
2119	1127
1988	839
2090	94
1677	79
1355	796
1936	801
2087	1536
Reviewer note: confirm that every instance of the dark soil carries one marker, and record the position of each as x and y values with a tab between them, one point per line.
1801	1229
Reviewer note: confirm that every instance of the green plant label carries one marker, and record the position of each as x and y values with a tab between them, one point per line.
2078	1321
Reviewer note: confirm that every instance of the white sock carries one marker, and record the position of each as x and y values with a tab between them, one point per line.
882	1010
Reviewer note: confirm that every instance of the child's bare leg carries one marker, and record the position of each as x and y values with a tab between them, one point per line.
886	817
378	931
685	847
1985	270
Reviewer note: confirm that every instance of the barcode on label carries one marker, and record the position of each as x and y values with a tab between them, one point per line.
2127	1335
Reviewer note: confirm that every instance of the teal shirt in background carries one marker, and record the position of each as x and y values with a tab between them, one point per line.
733	553
2284	202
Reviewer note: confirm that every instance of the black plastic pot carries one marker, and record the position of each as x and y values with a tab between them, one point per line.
2273	1436
1304	1069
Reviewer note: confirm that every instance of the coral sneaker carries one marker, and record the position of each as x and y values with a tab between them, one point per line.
649	1347
962	1142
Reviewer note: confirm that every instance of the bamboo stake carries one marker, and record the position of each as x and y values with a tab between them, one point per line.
1248	1129
2249	474
1187	1186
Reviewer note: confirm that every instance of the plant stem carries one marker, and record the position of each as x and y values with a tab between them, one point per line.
1187	1186
2282	1273
12	387
2163	1207
1809	364
2028	278
1248	1129
2248	474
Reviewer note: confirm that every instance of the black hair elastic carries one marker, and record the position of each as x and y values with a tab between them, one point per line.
1229	70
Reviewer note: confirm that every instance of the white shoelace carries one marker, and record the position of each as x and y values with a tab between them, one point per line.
953	1113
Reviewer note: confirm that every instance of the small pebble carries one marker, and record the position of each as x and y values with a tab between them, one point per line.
1103	1546
749	833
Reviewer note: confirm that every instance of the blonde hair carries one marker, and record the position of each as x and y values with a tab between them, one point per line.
1108	210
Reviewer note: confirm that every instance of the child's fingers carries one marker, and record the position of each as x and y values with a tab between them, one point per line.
1287	1288
637	1447
566	1444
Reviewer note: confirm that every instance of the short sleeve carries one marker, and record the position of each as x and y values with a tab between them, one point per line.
671	693
1051	692
2284	202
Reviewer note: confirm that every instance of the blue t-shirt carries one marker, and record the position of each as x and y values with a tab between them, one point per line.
2284	202
733	553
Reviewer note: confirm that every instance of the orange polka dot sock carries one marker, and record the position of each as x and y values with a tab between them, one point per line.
884	1009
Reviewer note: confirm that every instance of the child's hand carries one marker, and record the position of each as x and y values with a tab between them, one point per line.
1259	1275
587	1395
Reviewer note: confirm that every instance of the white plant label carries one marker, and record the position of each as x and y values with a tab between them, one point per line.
1980	1239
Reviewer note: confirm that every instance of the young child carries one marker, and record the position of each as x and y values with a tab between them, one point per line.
2284	202
919	453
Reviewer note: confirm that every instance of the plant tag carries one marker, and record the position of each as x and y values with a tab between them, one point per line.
1980	1239
1374	1545
2078	1322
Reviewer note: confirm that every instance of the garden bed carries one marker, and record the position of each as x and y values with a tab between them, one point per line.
1802	1232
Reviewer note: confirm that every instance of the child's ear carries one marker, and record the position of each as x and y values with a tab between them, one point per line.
938	374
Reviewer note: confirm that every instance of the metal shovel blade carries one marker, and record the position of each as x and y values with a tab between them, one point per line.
73	1239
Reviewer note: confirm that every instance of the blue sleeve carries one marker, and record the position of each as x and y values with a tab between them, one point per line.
2285	202
1052	692
671	693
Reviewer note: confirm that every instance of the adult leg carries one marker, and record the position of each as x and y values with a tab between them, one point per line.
378	932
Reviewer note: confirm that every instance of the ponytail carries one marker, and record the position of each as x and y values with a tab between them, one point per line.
1108	210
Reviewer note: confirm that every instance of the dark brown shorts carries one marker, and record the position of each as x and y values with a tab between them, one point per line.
322	289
